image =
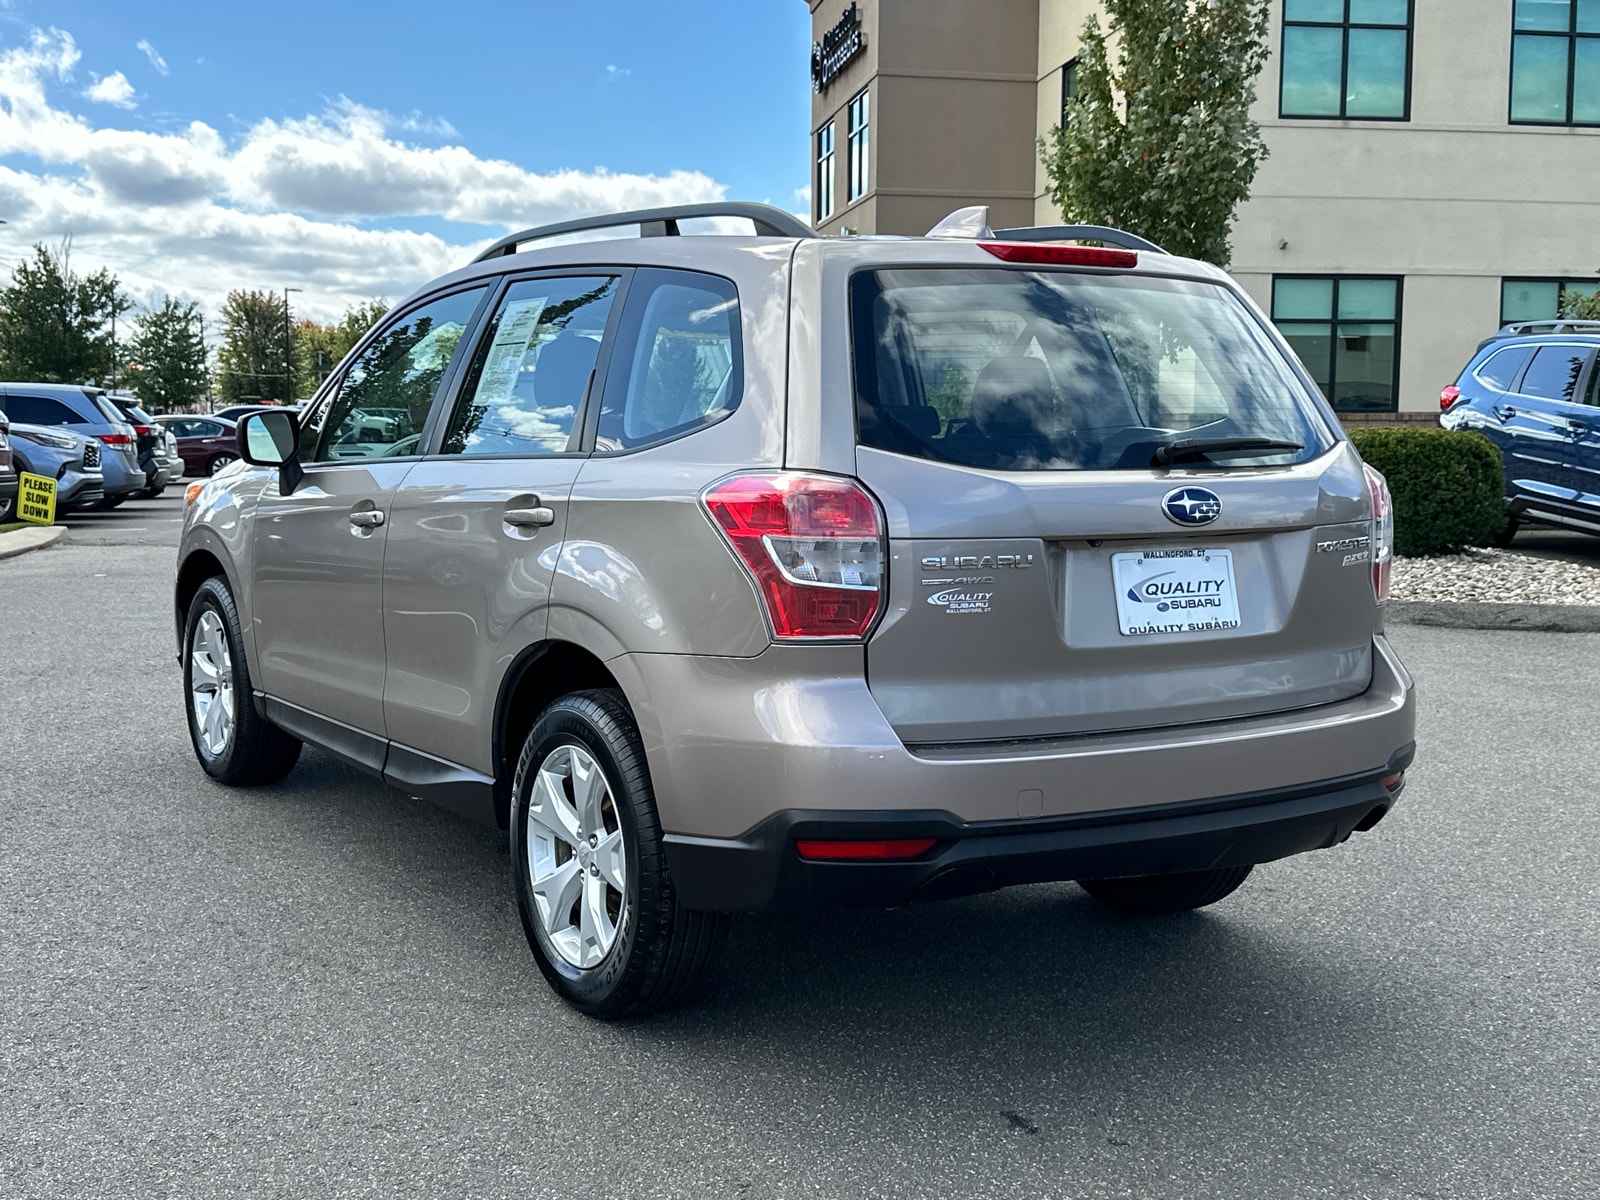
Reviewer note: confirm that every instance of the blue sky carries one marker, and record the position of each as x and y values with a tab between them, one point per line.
194	147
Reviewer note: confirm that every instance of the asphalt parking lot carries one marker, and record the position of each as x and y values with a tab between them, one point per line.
322	989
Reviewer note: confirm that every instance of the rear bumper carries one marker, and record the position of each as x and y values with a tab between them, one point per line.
763	870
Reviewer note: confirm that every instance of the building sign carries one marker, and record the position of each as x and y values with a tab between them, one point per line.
837	49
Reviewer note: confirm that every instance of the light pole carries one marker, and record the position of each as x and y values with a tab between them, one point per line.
288	348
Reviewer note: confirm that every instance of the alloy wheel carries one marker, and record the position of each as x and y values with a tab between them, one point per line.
220	461
577	862
211	696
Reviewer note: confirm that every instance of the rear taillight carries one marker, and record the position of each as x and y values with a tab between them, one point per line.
117	439
144	430
813	543
1064	256
1448	396
1382	533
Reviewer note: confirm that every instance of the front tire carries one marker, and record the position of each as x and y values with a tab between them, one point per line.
234	745
1160	895
597	903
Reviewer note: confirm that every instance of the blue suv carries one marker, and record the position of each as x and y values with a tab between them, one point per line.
1534	390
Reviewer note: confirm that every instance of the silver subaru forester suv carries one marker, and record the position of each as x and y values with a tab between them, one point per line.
733	572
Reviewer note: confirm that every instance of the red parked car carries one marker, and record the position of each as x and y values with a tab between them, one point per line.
206	444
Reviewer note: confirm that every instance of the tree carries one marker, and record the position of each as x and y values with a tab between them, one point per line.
320	348
1575	306
1162	143
251	360
167	360
55	326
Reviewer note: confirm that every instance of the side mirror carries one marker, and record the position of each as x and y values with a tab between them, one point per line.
272	439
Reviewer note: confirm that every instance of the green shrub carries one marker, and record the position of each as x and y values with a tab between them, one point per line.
1447	485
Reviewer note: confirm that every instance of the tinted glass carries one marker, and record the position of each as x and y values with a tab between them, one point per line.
1586	80
1302	299
1542	14
1529	300
678	364
1539	78
527	382
1363	367
1554	372
1313	10
1589	16
1311	61
1044	370
1500	370
1366	299
388	390
1375	77
41	410
107	409
1378	12
1313	345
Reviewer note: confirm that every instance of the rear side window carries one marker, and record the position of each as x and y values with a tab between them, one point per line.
108	408
531	373
677	366
1554	372
1500	370
1051	370
41	410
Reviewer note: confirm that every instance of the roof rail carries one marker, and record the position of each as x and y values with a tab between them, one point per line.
661	222
1081	233
1519	328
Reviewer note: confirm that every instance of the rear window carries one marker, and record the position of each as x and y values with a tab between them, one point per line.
1050	370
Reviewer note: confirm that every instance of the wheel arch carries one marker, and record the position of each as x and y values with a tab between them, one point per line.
538	675
198	565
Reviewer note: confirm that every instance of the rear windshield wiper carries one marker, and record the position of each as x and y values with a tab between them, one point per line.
1195	449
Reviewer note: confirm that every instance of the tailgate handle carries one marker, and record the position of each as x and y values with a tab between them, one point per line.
529	517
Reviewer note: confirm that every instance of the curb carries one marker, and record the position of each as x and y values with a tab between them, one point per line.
1466	614
20	541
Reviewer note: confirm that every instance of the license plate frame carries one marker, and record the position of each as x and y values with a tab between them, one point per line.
1175	591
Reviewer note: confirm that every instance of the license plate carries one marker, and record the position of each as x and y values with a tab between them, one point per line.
1175	591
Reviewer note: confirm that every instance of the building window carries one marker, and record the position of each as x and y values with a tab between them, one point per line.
1346	58
860	113
1346	329
1538	299
1555	62
824	170
1069	88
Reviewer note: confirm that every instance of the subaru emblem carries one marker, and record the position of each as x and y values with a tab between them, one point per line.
1192	506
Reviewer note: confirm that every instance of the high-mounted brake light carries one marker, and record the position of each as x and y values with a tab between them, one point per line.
874	851
1063	256
814	545
1382	533
1448	397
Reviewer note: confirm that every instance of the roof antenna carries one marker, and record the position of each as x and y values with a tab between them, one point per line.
966	223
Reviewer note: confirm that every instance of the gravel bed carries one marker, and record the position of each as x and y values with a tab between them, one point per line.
1494	577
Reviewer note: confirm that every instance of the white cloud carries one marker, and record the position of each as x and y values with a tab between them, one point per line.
113	89
154	55
615	73
286	202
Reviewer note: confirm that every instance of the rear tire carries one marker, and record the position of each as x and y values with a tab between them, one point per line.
636	950
1159	895
1503	538
235	746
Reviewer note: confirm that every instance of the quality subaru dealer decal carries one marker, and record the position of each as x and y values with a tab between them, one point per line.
1175	591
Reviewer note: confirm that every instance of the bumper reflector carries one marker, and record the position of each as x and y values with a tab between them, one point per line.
1392	781
875	850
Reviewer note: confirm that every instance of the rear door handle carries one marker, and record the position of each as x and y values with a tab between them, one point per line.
1504	411
367	518
529	517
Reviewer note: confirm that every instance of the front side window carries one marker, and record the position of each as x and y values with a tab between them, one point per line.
388	390
1022	370
1555	62
1346	331
1539	299
529	378
1346	58
860	117
824	170
678	365
1554	373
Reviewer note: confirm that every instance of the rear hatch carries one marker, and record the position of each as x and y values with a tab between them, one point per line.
1054	570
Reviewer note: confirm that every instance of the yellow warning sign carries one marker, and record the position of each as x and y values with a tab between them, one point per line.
36	499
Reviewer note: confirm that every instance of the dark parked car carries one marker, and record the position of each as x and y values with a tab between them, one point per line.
1533	389
206	444
159	469
8	473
